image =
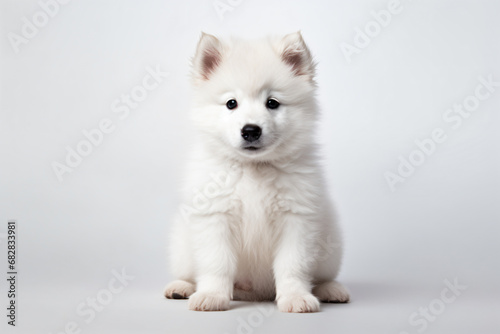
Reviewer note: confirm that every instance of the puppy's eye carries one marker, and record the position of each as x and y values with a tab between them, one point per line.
231	104
272	104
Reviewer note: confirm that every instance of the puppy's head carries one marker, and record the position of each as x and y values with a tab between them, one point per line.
254	100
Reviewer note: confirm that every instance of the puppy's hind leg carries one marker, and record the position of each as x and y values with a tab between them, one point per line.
179	289
331	292
181	262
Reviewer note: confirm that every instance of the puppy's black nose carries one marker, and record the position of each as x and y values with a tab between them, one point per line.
251	132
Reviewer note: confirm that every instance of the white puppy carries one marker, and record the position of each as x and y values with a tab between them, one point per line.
257	223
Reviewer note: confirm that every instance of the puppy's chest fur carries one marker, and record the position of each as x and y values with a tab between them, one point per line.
257	205
262	196
258	201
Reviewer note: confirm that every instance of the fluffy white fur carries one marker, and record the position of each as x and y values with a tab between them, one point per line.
255	224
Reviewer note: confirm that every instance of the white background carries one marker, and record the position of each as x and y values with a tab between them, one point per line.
113	210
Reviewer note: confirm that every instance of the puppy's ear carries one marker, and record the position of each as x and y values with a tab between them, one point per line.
207	57
294	52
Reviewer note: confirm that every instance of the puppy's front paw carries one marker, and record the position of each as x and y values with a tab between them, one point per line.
203	301
298	303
